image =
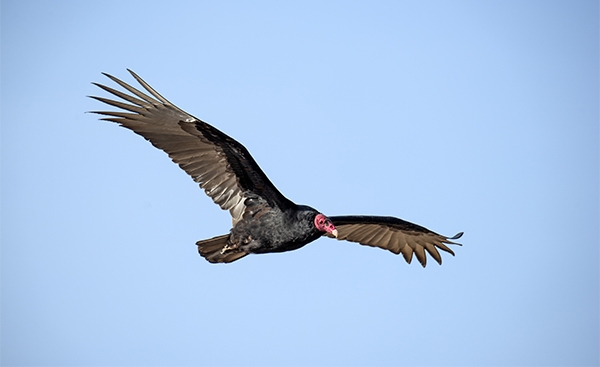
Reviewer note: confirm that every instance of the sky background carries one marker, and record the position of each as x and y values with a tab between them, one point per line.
474	116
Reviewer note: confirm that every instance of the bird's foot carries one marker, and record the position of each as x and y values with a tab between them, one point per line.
227	249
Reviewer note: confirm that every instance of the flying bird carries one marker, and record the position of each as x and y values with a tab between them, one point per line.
263	220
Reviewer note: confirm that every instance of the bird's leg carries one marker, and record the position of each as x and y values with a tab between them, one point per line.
228	248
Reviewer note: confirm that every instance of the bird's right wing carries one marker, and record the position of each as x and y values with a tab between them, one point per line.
223	167
393	234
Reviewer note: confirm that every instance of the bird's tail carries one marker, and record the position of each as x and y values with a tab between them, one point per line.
216	250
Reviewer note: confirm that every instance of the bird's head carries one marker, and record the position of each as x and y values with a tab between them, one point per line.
323	224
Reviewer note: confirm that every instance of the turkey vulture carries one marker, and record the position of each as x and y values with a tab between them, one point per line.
263	219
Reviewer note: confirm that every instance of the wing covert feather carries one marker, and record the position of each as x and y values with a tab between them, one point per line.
395	235
219	164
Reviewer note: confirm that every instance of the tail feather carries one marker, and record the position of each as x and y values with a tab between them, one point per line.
212	248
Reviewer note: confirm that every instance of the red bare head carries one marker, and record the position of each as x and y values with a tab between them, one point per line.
324	224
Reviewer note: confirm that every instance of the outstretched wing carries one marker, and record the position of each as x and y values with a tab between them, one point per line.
393	234
223	167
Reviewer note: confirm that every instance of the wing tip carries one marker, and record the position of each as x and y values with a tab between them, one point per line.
457	236
132	73
442	247
109	76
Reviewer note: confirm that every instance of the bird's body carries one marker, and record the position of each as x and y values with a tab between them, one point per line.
264	220
276	230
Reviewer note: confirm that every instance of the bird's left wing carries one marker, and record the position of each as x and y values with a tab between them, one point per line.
223	167
395	235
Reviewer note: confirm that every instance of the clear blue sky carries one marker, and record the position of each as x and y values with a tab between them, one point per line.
474	116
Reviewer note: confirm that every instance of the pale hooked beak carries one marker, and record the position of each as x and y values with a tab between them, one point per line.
334	233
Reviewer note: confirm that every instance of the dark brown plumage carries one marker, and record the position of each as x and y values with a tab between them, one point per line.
263	220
